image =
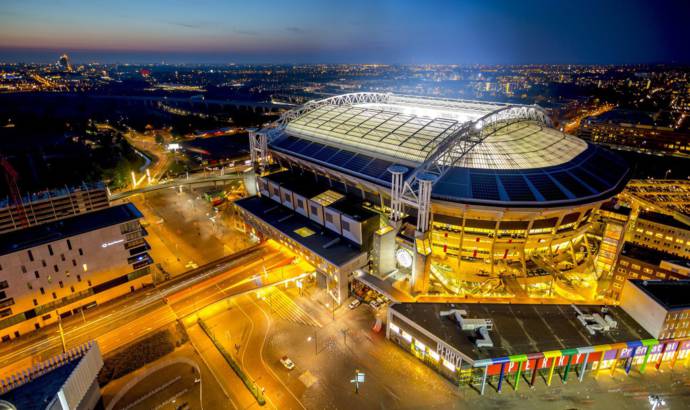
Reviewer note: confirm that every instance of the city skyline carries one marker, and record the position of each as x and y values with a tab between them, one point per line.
308	32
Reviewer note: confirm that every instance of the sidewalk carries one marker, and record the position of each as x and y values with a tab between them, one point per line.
225	376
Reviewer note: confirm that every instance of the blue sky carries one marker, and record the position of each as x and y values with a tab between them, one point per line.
352	31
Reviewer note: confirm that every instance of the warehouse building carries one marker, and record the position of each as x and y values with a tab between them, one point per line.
484	345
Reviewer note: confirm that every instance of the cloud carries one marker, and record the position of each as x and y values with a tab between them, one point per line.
245	32
295	30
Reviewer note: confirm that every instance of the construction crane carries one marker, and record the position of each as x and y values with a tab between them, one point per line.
20	219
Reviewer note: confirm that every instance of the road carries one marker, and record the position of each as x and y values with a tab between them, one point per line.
131	317
175	183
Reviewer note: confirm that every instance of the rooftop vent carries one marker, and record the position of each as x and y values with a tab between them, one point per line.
595	322
480	327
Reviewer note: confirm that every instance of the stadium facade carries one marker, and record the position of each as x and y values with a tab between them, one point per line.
427	189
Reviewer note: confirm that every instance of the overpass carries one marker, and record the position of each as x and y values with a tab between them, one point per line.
213	180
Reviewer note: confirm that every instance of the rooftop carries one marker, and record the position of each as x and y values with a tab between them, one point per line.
402	127
316	238
671	294
40	392
519	161
663	219
519	328
65	228
651	256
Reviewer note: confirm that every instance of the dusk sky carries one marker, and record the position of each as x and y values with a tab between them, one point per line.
353	31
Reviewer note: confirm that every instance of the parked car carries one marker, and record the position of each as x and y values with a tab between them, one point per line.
287	363
374	304
354	304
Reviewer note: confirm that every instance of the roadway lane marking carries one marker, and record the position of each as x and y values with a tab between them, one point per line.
261	354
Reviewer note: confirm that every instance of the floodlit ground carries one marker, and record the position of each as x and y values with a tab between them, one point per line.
327	351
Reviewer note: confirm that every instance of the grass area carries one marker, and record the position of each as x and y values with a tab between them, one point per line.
253	388
140	353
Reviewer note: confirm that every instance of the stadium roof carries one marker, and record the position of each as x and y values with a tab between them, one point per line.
515	156
376	129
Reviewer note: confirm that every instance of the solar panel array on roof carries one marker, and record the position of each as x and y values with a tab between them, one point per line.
362	164
484	186
589	179
546	187
516	187
572	184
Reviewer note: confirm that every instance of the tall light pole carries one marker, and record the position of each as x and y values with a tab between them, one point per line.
62	333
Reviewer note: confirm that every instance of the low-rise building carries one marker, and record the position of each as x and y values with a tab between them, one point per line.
662	307
52	205
68	381
497	344
662	232
65	266
638	262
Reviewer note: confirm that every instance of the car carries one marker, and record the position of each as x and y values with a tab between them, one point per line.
381	301
354	304
287	363
374	304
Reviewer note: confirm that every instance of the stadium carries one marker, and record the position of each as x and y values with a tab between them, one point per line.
436	195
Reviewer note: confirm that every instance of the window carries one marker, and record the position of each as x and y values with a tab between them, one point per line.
62	285
69	245
71	288
43	262
55	268
78	278
31	255
37	275
67	273
346	226
29	285
85	267
88	282
23	269
54	295
329	217
35	302
50	250
74	262
43	291
62	257
81	252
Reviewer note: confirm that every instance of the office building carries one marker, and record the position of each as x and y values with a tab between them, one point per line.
65	266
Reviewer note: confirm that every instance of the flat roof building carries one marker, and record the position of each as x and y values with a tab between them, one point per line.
638	262
67	381
482	344
662	307
68	265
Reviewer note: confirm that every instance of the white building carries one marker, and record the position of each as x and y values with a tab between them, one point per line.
68	265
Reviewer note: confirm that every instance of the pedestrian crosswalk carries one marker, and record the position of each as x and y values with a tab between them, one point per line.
284	307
